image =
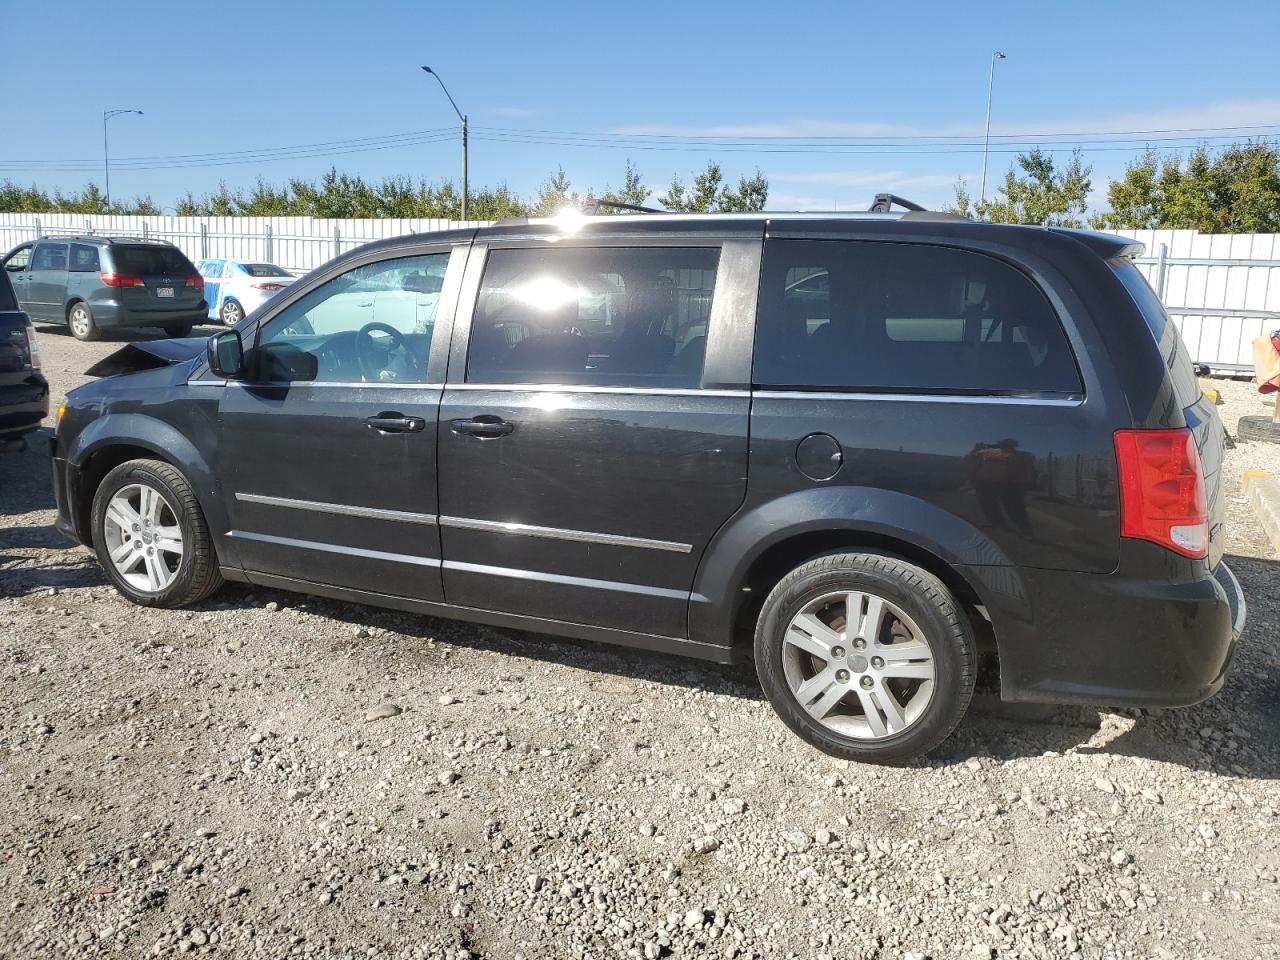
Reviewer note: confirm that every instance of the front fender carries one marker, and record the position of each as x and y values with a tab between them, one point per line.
752	532
168	444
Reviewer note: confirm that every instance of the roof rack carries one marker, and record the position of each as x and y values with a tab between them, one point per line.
593	205
883	203
101	238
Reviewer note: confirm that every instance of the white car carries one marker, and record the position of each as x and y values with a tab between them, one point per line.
234	288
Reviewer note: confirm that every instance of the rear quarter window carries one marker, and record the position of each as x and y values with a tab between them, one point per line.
1173	350
869	315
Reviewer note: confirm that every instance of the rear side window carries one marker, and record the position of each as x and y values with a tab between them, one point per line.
151	260
603	316
84	258
1172	348
49	256
865	315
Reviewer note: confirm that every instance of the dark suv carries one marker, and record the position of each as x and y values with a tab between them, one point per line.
91	283
24	392
863	450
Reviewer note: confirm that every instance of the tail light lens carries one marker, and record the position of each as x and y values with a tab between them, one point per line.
267	286
1162	492
195	280
121	280
33	348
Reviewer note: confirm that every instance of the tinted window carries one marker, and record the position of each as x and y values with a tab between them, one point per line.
84	258
18	260
49	256
264	270
151	260
7	300
620	316
1172	348
371	324
860	315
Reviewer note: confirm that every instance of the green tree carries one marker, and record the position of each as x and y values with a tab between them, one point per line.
710	194
632	192
1042	194
555	195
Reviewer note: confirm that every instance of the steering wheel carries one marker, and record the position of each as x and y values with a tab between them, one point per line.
373	356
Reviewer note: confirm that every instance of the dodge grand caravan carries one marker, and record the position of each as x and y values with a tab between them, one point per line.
860	450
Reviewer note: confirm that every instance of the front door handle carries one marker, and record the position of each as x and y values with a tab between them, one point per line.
486	426
395	423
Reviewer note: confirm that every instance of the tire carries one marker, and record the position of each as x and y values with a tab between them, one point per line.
230	313
1258	428
80	322
178	330
931	685
189	578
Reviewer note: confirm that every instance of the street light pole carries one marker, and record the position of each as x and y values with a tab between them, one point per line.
106	160
986	139
462	117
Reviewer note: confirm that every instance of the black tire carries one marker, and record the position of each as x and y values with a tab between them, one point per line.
918	594
178	330
197	574
80	322
1258	428
230	313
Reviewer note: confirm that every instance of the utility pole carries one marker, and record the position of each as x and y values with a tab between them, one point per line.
106	159
986	139
463	118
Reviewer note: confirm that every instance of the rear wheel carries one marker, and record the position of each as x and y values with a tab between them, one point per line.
151	537
80	320
866	657
231	313
178	330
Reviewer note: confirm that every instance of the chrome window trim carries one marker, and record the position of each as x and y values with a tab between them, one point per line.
315	383
597	388
342	509
336	548
538	575
763	394
560	533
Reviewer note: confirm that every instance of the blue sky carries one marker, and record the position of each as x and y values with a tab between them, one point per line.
643	80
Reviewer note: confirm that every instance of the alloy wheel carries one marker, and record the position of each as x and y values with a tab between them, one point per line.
80	323
231	313
143	537
858	664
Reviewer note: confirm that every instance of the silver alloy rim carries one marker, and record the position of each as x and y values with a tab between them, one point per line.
79	321
858	665
143	537
231	314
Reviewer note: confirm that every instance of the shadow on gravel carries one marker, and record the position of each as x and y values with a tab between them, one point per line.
120	334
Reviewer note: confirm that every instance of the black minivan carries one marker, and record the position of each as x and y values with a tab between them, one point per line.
861	450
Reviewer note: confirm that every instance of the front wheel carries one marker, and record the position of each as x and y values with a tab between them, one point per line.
231	313
151	536
866	657
80	320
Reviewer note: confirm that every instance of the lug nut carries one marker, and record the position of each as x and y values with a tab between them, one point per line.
877	662
837	652
859	643
842	676
867	683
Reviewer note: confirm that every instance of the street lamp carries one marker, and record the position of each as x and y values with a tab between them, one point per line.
106	162
986	140
463	117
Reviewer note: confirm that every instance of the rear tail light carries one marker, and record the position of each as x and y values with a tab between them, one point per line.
33	348
267	286
121	280
195	280
1162	492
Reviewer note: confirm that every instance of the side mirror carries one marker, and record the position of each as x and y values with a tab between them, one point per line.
226	355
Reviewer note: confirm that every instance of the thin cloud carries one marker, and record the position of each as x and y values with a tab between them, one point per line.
856	179
513	112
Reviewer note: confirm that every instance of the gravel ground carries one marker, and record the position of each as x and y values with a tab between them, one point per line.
272	775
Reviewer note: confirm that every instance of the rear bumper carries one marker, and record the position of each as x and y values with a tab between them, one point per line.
23	407
1109	640
112	313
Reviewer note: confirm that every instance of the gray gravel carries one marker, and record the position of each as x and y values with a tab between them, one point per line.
272	775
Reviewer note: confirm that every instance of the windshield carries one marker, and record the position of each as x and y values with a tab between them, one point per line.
150	260
265	270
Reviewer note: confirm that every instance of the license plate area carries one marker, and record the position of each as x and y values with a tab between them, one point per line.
164	292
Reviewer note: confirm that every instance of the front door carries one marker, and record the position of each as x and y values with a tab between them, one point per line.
584	466
47	283
329	455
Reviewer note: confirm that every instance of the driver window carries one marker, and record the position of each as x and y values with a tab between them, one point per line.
372	324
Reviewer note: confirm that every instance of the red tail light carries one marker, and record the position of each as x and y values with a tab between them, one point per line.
121	280
195	280
1162	492
267	286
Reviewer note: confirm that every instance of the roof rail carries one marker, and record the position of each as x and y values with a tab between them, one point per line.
884	202
593	205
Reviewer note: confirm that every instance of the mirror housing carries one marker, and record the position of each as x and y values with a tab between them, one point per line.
225	353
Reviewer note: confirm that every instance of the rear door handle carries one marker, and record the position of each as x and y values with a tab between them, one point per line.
486	426
395	423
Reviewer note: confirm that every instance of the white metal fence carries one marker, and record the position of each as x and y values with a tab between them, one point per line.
1221	289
